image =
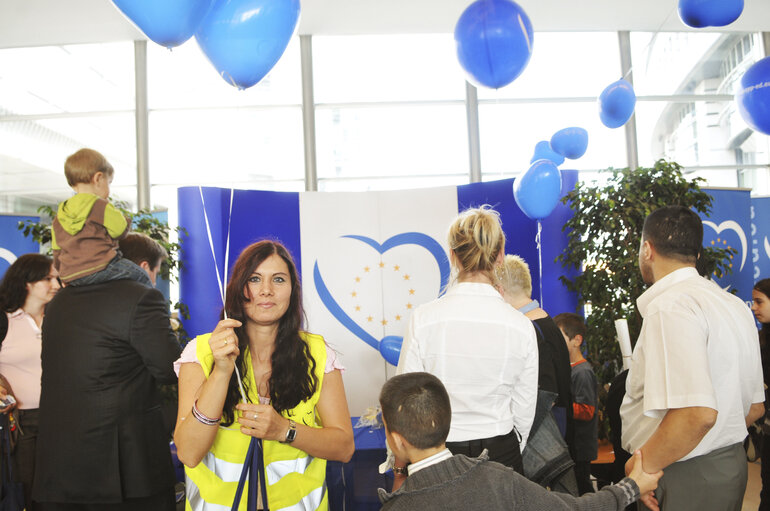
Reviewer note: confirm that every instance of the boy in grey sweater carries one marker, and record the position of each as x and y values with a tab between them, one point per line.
416	413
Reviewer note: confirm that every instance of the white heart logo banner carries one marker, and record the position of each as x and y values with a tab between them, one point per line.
368	260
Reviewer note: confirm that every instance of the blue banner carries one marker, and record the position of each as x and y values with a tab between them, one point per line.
520	233
729	226
760	234
12	242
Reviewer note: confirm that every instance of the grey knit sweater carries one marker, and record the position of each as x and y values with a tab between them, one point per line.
464	483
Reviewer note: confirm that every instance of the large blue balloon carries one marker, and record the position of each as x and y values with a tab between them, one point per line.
166	22
570	142
244	39
753	96
390	348
543	151
537	191
709	13
616	104
494	41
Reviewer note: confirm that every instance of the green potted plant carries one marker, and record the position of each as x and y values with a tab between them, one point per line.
604	235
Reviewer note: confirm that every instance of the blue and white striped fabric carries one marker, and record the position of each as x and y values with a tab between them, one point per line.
366	259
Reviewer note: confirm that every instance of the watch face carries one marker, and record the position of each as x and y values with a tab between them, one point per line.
291	435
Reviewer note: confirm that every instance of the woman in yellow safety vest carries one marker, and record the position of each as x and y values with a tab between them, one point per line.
296	399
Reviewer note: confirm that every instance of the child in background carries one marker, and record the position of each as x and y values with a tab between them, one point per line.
87	227
584	399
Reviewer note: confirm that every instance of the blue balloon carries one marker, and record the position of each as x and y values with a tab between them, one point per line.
753	96
538	190
543	151
709	13
616	104
570	142
166	22
494	41
390	348
244	39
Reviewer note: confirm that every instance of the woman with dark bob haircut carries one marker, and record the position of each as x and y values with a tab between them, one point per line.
293	384
27	287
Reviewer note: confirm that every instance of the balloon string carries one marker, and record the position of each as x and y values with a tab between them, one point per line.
540	259
222	288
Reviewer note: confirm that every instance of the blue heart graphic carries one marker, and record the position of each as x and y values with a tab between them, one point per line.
407	238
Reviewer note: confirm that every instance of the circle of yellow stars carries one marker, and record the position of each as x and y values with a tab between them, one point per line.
383	267
723	242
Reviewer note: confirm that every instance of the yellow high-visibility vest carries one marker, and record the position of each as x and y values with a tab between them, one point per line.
295	480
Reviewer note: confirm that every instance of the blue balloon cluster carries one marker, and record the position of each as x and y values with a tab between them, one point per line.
537	191
570	142
166	22
709	13
494	41
753	97
390	348
543	151
616	104
244	39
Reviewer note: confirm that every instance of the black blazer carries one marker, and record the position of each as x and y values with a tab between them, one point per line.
106	347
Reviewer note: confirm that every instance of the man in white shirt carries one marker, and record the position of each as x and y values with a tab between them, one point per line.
695	380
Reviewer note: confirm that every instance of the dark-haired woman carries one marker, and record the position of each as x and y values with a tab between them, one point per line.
296	399
28	285
760	306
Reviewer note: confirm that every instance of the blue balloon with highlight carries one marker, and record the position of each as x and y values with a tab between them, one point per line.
538	190
244	39
166	22
390	349
543	151
616	104
709	13
570	142
753	96
494	41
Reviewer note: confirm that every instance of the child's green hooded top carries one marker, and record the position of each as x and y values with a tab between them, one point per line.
85	235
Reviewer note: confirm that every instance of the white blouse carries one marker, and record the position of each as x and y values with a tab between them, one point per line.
485	353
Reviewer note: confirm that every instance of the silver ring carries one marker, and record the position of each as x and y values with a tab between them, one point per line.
256	415
226	341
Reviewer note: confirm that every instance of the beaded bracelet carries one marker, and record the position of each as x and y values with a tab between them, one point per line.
208	421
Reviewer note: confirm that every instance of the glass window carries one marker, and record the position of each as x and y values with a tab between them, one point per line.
73	78
509	133
391	141
184	78
32	154
420	67
699	133
565	65
666	63
390	183
243	148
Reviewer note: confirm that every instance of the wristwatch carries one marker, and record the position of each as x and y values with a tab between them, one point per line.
291	433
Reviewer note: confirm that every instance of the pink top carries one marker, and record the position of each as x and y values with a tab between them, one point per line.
20	359
188	356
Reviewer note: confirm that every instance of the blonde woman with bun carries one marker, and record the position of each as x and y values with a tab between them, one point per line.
483	350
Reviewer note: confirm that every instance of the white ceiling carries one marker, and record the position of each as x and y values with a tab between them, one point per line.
47	22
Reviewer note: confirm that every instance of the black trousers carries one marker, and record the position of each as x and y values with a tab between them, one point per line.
764	495
583	476
24	454
503	449
163	501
